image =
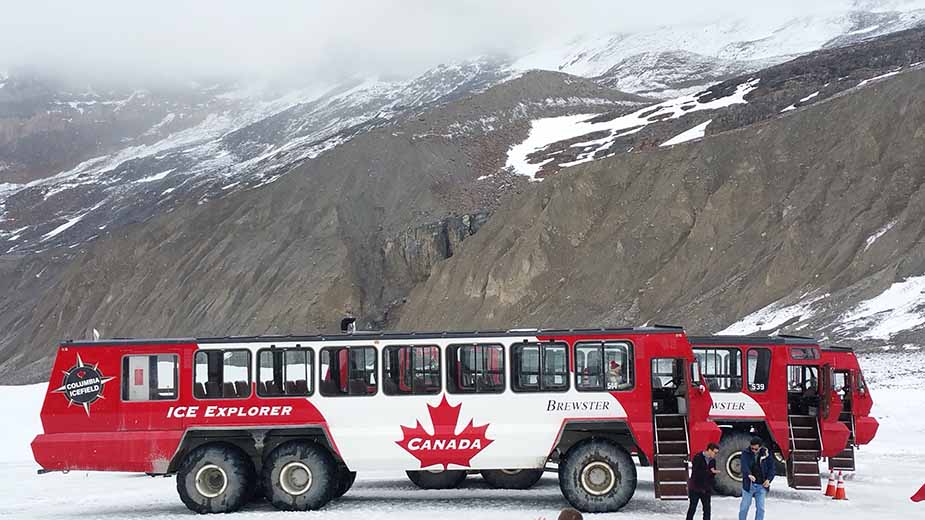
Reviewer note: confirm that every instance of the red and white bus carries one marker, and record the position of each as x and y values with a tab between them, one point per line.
293	418
783	389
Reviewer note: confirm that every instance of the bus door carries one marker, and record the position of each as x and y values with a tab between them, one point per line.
669	386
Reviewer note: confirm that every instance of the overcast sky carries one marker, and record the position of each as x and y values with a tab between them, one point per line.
163	39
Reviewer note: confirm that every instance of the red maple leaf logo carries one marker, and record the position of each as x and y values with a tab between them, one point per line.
444	446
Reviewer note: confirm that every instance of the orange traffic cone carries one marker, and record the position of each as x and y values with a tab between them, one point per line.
830	488
840	490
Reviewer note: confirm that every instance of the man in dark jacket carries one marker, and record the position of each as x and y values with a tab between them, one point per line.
757	474
700	485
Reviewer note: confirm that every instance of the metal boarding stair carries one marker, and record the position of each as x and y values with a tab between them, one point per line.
671	456
844	461
805	450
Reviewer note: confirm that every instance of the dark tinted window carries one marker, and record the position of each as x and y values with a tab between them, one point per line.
759	369
411	370
539	367
222	374
804	353
285	372
348	371
475	368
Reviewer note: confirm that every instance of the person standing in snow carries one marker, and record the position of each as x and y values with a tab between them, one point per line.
757	474
700	485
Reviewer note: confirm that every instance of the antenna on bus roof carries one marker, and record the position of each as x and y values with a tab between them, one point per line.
348	325
96	335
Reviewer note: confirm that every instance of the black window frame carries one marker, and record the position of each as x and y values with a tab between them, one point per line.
706	376
123	391
451	385
350	372
540	374
310	370
749	385
221	352
386	365
602	375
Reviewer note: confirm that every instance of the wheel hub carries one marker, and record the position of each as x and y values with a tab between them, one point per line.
295	478
734	466
211	481
598	478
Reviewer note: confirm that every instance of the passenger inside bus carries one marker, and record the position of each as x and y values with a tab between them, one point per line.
616	379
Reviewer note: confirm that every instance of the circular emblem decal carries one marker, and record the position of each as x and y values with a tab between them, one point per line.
83	384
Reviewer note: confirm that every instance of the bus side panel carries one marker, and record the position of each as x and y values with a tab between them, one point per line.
143	451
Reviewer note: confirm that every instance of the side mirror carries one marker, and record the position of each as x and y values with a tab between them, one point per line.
696	379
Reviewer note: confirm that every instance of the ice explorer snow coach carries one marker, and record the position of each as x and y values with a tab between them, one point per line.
294	418
786	390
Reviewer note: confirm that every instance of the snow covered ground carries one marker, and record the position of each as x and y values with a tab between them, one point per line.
891	469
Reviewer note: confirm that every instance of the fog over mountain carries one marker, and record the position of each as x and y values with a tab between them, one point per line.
304	42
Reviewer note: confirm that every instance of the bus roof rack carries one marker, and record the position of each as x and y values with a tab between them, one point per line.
718	339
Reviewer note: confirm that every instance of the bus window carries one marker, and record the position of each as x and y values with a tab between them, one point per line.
285	372
475	368
411	370
149	378
603	365
539	367
720	368
348	371
222	374
759	369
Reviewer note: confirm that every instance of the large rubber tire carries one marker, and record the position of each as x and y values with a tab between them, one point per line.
215	478
597	476
446	479
729	479
345	480
512	479
299	476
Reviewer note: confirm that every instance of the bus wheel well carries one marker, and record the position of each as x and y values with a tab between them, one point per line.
255	443
757	429
575	433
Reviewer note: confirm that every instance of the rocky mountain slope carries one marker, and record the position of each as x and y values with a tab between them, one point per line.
349	232
225	141
818	211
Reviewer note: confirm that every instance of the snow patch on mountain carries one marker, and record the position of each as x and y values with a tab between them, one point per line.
156	176
775	315
546	131
899	308
878	78
70	222
689	135
880	232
